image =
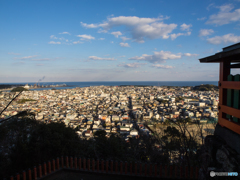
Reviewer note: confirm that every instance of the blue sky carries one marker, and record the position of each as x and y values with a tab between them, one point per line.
114	40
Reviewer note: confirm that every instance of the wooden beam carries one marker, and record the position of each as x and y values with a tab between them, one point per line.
224	70
236	97
229	85
231	111
235	127
234	65
229	96
230	56
223	75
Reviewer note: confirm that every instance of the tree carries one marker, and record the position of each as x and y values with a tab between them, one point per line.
182	141
26	142
100	134
19	89
25	100
179	142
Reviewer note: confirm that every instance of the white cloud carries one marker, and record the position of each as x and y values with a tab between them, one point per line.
162	66
141	71
131	65
122	56
77	42
209	6
140	28
85	37
28	57
102	31
116	34
99	58
89	25
19	63
139	40
185	27
112	42
228	38
53	42
39	64
226	7
53	37
125	38
12	53
65	33
224	16
205	32
190	55
174	36
160	56
101	38
201	19
43	59
211	75
124	44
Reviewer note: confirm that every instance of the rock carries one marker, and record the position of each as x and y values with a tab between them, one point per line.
217	156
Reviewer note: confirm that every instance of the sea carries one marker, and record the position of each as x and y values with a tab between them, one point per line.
71	85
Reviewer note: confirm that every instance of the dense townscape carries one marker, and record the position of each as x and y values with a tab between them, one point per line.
123	109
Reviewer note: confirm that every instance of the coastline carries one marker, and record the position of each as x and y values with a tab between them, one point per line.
71	85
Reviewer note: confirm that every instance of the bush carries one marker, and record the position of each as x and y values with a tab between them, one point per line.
25	100
27	142
19	89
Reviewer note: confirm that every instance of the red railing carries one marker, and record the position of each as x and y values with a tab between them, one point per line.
103	166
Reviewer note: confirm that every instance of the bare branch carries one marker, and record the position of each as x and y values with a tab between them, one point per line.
10	102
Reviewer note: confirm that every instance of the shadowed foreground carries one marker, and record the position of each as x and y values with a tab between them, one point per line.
76	175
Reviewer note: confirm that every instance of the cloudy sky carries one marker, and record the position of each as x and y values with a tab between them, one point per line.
114	40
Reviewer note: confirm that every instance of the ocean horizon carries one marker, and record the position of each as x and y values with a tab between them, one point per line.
70	85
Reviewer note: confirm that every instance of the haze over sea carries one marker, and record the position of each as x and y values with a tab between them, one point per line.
71	85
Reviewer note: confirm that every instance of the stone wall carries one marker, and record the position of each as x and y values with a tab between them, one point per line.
220	153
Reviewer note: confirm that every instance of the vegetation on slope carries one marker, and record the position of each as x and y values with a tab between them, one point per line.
205	87
25	100
4	86
19	89
26	142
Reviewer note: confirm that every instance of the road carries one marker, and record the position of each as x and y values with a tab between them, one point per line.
132	119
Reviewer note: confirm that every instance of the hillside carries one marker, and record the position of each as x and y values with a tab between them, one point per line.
205	87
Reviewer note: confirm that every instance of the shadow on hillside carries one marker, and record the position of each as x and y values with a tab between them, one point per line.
76	175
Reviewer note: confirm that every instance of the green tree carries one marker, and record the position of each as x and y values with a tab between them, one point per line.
25	100
19	89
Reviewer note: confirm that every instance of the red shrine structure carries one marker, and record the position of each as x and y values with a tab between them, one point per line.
229	86
221	151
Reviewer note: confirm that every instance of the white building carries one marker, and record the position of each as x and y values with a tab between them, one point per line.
26	86
134	132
